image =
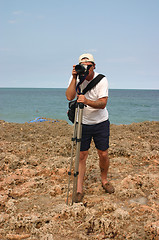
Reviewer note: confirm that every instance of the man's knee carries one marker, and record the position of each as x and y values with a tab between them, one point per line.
103	154
83	155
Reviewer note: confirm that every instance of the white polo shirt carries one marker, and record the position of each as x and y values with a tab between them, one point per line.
93	115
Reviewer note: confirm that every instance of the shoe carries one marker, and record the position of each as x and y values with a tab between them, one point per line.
108	187
79	197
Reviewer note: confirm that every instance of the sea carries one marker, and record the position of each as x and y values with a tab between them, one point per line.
125	106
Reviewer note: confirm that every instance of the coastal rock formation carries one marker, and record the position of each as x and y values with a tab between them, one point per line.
34	161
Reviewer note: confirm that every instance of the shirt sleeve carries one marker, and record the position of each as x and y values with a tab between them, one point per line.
102	88
70	79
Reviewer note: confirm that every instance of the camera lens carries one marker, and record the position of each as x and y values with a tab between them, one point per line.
80	69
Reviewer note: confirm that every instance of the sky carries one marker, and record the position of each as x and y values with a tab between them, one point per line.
40	41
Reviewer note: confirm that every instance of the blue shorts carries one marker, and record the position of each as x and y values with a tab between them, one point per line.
99	132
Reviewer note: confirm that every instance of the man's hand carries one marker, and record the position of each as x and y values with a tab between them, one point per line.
81	98
74	73
98	104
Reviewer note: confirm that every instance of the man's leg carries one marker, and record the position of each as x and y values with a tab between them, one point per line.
103	164
82	170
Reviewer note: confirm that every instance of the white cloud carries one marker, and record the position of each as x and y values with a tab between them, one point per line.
17	12
90	50
12	21
148	73
121	60
40	17
4	49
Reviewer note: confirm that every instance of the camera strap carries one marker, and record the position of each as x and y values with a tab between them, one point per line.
82	78
93	83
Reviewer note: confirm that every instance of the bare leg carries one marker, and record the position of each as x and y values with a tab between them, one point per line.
82	170
104	165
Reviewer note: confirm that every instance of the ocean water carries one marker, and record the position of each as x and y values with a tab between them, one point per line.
21	105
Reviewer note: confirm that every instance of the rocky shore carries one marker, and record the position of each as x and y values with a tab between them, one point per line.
34	161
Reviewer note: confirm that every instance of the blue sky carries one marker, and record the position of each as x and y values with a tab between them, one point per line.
41	40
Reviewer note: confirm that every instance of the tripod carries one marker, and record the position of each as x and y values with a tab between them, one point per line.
77	134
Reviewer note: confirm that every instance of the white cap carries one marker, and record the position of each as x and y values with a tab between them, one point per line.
86	57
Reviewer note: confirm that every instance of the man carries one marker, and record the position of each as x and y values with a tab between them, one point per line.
95	122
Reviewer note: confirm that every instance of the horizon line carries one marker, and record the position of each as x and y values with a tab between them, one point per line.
66	88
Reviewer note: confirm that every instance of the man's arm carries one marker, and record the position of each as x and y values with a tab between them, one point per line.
71	90
98	104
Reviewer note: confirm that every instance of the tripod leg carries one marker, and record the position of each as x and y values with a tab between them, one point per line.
71	161
79	135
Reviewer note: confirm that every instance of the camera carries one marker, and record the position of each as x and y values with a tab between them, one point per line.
81	69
